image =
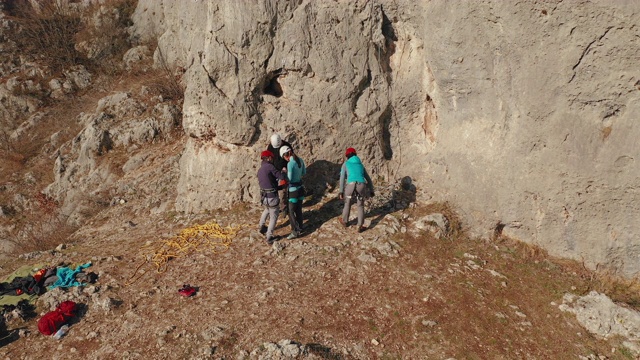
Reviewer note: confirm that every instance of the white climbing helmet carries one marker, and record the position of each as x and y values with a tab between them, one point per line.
283	150
276	140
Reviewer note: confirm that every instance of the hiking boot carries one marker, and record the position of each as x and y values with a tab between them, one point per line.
263	229
361	229
270	241
341	220
292	236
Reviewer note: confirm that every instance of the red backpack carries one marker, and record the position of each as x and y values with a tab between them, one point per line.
53	320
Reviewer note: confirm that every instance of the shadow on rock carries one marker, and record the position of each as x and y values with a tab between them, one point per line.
81	311
7	337
315	218
391	199
322	177
23	310
323	352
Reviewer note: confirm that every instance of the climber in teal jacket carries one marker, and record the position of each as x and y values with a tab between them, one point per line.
295	170
355	186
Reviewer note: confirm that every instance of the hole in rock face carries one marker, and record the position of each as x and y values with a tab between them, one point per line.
385	120
272	86
389	32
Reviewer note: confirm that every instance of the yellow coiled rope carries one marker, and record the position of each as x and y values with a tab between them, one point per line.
208	237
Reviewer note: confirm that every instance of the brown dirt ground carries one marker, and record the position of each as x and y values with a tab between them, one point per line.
317	291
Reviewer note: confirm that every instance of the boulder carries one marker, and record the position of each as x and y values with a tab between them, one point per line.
437	224
602	317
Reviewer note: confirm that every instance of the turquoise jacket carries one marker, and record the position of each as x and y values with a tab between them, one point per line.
294	174
67	276
353	171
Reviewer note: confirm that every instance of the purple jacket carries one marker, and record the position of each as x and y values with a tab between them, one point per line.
268	177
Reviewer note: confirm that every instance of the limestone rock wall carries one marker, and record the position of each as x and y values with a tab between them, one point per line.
537	105
521	114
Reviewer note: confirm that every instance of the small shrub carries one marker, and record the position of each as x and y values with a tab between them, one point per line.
626	352
166	81
45	31
60	36
32	87
5	140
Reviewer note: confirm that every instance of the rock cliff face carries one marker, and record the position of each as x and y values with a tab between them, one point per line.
519	113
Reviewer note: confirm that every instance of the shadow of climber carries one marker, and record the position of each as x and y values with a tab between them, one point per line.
315	218
81	310
322	177
398	199
7	336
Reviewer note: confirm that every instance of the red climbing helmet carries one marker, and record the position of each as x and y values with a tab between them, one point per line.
350	151
266	153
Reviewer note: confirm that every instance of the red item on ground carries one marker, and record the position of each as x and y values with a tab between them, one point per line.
187	291
39	274
67	308
53	320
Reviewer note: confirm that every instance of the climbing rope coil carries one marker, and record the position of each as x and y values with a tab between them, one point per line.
208	237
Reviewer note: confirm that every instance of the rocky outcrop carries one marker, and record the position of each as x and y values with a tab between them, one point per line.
520	114
602	317
83	181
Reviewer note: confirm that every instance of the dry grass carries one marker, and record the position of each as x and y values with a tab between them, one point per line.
318	292
606	281
59	37
330	296
618	288
46	31
166	80
165	83
527	251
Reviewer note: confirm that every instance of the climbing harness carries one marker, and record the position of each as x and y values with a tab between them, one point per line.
300	191
269	194
355	194
208	237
